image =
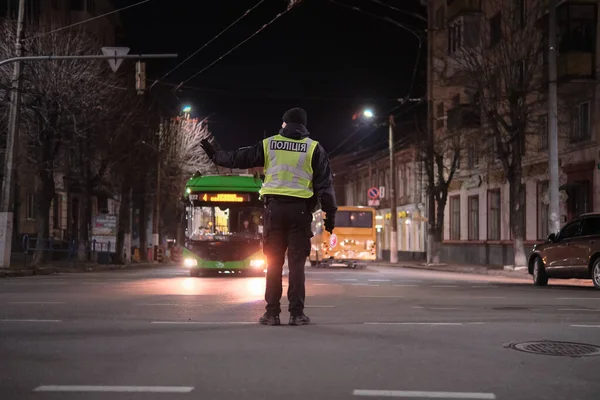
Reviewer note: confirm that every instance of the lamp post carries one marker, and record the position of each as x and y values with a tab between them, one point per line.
369	115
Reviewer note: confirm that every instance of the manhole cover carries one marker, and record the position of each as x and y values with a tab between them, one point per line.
550	348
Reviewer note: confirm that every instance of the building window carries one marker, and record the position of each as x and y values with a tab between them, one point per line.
472	156
440	113
455	217
543	210
56	212
495	29
544	133
523	214
454	38
493	214
581	130
577	28
474	217
76	5
30	206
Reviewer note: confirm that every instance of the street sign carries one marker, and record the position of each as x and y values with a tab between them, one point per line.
116	51
373	193
381	192
374	203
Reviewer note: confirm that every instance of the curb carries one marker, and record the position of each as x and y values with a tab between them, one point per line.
50	270
462	270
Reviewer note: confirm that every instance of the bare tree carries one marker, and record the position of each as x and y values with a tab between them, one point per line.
62	100
441	158
494	59
181	157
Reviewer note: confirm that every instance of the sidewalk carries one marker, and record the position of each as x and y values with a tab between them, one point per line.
81	267
465	269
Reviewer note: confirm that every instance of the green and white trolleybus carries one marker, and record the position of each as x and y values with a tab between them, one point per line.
224	225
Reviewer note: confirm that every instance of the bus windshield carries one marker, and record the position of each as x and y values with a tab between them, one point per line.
354	219
216	223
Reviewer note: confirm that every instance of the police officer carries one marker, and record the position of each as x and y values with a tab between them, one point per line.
297	178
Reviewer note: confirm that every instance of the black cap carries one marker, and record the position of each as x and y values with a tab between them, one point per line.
295	116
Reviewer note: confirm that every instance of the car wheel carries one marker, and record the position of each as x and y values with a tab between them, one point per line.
596	273
539	273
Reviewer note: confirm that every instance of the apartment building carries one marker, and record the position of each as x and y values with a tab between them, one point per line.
67	206
355	174
477	214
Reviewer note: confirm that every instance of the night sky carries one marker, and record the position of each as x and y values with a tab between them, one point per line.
325	58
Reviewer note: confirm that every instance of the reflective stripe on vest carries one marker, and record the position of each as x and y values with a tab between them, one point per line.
288	166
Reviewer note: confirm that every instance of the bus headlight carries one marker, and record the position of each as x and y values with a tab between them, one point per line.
190	262
257	263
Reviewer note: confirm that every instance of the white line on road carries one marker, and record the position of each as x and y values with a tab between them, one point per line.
483	286
578	298
115	389
200	323
323	284
585	326
30	320
383	297
444	286
577	309
415	323
425	395
36	302
359	284
406	285
379	280
346	280
444	308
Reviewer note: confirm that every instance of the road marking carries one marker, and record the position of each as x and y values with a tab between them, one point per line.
116	389
487	297
425	395
323	284
374	284
585	326
577	309
444	286
379	280
484	286
406	285
30	320
96	283
383	297
359	284
415	323
444	308
168	304
418	307
37	302
346	280
199	323
578	298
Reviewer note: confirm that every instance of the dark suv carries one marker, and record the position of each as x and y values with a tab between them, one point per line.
574	252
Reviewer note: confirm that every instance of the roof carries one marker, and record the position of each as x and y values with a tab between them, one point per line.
224	183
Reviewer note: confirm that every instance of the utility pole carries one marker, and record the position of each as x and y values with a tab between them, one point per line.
552	123
156	216
394	233
431	215
12	149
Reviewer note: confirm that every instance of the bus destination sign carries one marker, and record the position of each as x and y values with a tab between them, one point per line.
220	197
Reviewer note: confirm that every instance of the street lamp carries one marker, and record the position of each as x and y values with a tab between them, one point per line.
187	109
368	114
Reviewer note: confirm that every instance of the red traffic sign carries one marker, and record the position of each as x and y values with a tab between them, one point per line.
333	240
373	193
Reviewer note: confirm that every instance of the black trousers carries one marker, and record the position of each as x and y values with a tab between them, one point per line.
287	225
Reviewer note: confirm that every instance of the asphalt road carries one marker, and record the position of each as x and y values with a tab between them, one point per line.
376	333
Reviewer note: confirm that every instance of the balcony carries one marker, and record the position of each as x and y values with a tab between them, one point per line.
464	116
456	8
575	65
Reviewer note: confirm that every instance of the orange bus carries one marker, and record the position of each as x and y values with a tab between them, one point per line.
352	243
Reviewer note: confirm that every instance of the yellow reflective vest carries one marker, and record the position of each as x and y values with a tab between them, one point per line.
288	166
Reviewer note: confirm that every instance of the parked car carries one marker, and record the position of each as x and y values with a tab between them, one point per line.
573	252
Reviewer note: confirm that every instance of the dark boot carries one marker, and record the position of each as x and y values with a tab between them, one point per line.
271	320
299	319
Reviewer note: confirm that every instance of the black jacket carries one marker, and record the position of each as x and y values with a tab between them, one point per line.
254	156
